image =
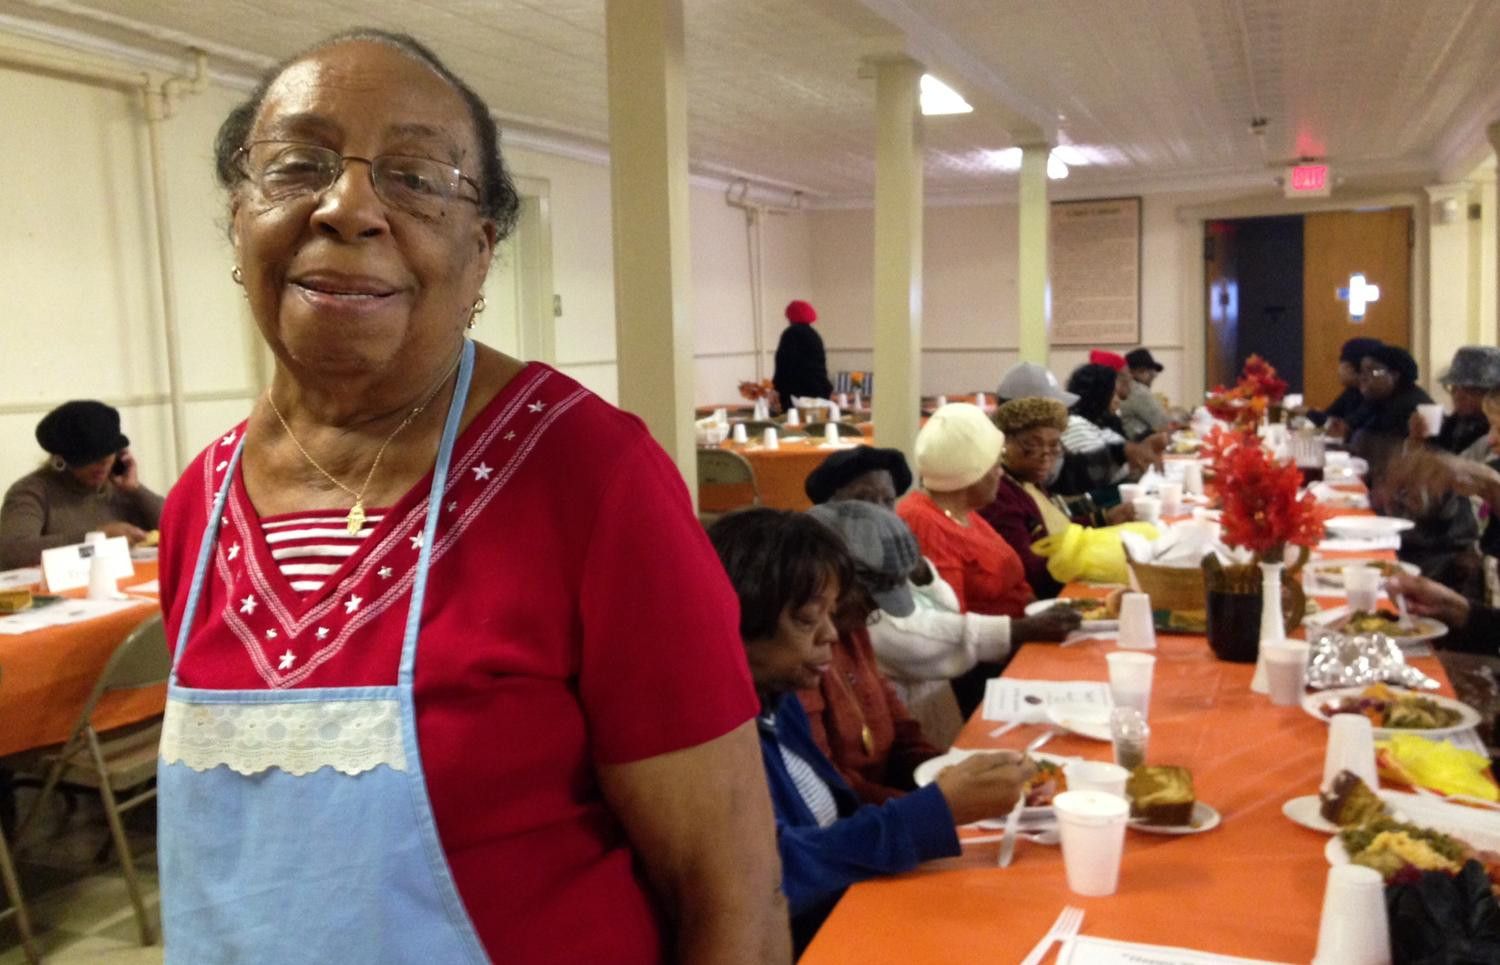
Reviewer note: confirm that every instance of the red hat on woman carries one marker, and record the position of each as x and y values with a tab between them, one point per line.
801	313
1101	357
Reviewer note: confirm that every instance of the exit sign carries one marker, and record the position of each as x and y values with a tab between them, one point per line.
1308	181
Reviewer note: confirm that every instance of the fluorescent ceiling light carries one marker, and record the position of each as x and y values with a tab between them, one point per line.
1056	169
1070	155
939	98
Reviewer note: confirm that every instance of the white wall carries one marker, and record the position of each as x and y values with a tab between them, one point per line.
83	307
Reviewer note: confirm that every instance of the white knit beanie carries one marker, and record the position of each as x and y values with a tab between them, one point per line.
957	446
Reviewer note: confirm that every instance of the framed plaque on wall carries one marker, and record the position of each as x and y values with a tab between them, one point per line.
1095	272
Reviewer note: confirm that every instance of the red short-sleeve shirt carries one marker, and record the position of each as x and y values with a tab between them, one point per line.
575	614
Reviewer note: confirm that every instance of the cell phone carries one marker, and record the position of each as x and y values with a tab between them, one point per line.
121	467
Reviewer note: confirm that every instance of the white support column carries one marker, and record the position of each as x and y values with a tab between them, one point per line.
1486	327
898	253
1031	275
1448	274
649	191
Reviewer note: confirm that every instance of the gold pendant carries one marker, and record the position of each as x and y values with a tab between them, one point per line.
356	518
868	738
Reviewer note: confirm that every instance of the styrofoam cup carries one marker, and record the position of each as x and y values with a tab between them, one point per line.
1137	627
1362	583
1171	498
94	537
1354	928
1147	509
1092	827
738	433
1286	670
1432	417
1336	459
102	583
769	439
831	433
1101	776
941	401
1192	478
1351	747
1130	676
1130	492
793	418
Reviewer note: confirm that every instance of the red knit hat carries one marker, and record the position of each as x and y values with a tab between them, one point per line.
801	313
1101	357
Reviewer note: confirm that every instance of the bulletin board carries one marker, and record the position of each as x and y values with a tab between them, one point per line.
1095	272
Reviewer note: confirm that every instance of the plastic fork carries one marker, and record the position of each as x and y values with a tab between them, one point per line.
1067	925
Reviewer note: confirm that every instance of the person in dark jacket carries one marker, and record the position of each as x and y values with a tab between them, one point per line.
1472	627
797	586
1382	423
1336	416
801	362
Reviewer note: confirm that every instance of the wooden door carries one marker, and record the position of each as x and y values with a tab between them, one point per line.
1335	246
1221	294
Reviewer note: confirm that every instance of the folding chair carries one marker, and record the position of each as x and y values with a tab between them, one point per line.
733	477
16	901
120	760
843	382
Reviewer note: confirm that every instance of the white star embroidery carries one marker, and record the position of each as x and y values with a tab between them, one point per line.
270	634
222	466
509	436
224	520
352	604
452	506
227	440
286	661
537	406
482	471
416	541
234	551
247	605
322	632
385	572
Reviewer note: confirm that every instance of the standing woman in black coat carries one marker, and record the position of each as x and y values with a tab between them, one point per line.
801	363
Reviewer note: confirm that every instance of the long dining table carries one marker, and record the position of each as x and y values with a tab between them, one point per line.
1251	887
47	674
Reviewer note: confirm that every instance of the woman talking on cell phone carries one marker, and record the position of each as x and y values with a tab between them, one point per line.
89	482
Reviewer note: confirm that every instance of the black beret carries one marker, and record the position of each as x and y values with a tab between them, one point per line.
81	432
1357	348
847	465
1398	360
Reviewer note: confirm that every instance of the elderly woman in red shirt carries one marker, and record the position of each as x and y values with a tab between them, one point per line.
958	459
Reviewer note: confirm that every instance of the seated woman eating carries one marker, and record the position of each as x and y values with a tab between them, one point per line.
1100	458
796	585
1024	511
958	460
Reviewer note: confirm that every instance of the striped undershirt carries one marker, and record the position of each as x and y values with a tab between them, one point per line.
310	547
813	789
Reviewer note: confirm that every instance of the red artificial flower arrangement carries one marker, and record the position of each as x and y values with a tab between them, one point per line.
1263	507
763	389
1244	405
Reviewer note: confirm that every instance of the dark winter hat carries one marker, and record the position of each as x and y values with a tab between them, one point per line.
81	432
1141	359
1357	348
845	466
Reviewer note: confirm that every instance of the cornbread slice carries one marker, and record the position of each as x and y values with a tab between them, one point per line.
1161	795
1349	801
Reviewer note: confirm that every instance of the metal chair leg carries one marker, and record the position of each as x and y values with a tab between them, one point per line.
117	830
18	904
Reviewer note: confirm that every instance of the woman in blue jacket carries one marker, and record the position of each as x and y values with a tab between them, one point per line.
796	584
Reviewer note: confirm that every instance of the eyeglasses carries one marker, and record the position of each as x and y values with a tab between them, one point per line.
1374	373
1032	451
285	171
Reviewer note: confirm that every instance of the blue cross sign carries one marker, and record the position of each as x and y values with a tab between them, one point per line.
1358	294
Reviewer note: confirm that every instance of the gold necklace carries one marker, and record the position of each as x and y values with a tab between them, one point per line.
866	736
356	518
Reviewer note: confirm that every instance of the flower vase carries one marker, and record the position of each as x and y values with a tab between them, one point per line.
1272	621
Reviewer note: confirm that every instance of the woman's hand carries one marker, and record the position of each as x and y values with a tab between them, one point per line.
133	533
1052	624
984	785
130	480
1429	598
1123	513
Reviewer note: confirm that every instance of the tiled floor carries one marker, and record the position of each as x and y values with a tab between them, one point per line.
80	909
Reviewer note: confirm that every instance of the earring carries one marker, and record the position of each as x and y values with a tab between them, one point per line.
479	306
59	464
237	275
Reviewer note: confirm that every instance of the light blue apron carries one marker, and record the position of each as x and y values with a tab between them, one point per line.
290	863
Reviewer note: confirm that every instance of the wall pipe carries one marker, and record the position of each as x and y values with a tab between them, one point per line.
737	195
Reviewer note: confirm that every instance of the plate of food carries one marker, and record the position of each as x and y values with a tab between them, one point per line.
1393	710
1368	527
1162	801
1095	613
1085	720
1048	781
1328	575
1413	630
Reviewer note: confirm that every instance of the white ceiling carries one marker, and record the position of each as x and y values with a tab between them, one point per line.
1157	92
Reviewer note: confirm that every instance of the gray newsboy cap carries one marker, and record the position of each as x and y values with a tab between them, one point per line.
1477	365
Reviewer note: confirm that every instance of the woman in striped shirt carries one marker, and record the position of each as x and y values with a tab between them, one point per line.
1098	457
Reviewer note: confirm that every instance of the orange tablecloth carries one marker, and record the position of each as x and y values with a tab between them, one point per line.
780	473
1252	887
45	676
